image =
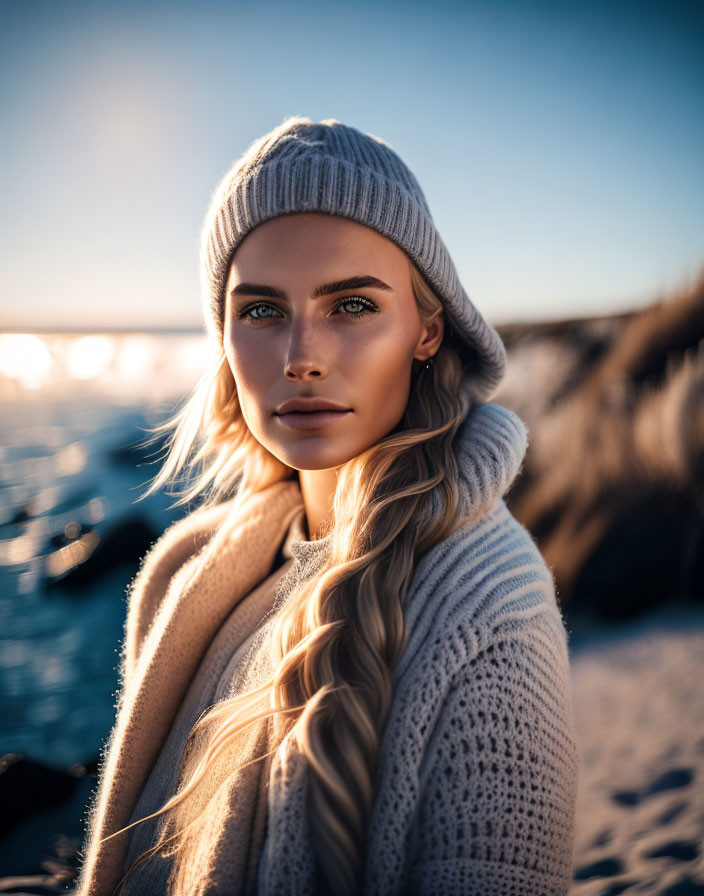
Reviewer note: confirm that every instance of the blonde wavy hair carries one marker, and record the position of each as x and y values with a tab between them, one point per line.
325	670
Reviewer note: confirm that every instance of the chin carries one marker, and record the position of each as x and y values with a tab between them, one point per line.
314	460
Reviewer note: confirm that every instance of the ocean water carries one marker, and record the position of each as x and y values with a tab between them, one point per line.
72	532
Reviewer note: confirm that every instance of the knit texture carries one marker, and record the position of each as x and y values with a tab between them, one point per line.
220	675
188	584
330	167
478	764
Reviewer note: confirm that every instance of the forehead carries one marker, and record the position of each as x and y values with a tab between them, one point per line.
318	243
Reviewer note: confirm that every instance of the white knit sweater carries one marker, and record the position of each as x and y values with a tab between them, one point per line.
478	765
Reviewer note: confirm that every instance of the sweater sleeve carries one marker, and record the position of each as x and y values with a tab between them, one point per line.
499	779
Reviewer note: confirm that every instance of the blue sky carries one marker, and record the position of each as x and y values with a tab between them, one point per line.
559	145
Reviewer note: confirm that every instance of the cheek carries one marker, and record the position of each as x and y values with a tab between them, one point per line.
246	372
382	375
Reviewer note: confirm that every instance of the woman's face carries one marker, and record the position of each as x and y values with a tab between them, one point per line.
294	329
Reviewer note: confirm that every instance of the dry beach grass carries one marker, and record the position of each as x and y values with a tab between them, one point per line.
613	491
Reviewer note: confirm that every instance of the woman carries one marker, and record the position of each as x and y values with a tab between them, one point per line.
347	672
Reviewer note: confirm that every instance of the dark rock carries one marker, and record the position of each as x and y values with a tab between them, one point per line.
42	822
27	786
75	529
124	544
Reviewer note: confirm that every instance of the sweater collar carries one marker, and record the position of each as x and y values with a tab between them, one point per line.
490	446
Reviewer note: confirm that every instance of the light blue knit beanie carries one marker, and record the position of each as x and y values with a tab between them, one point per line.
326	166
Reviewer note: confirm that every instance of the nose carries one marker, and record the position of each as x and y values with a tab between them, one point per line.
302	371
303	360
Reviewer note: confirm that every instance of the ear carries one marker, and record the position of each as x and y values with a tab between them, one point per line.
430	337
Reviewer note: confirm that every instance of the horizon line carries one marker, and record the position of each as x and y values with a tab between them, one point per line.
85	329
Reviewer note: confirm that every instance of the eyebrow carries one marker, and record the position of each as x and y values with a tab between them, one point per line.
359	282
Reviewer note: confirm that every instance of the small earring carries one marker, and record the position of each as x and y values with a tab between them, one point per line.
429	363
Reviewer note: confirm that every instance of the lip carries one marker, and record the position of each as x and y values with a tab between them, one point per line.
307	405
311	419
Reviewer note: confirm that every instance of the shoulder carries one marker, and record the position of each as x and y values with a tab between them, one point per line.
178	545
481	726
502	745
481	600
484	580
181	540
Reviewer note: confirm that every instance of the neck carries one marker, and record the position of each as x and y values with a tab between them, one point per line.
318	491
490	446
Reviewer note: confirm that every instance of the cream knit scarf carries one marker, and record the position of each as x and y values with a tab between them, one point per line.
175	609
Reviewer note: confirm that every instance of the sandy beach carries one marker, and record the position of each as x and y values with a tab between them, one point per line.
639	708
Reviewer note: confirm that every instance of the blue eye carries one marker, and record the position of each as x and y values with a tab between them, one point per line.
357	300
367	308
246	311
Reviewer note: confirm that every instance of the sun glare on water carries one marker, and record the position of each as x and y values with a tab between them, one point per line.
130	366
26	359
